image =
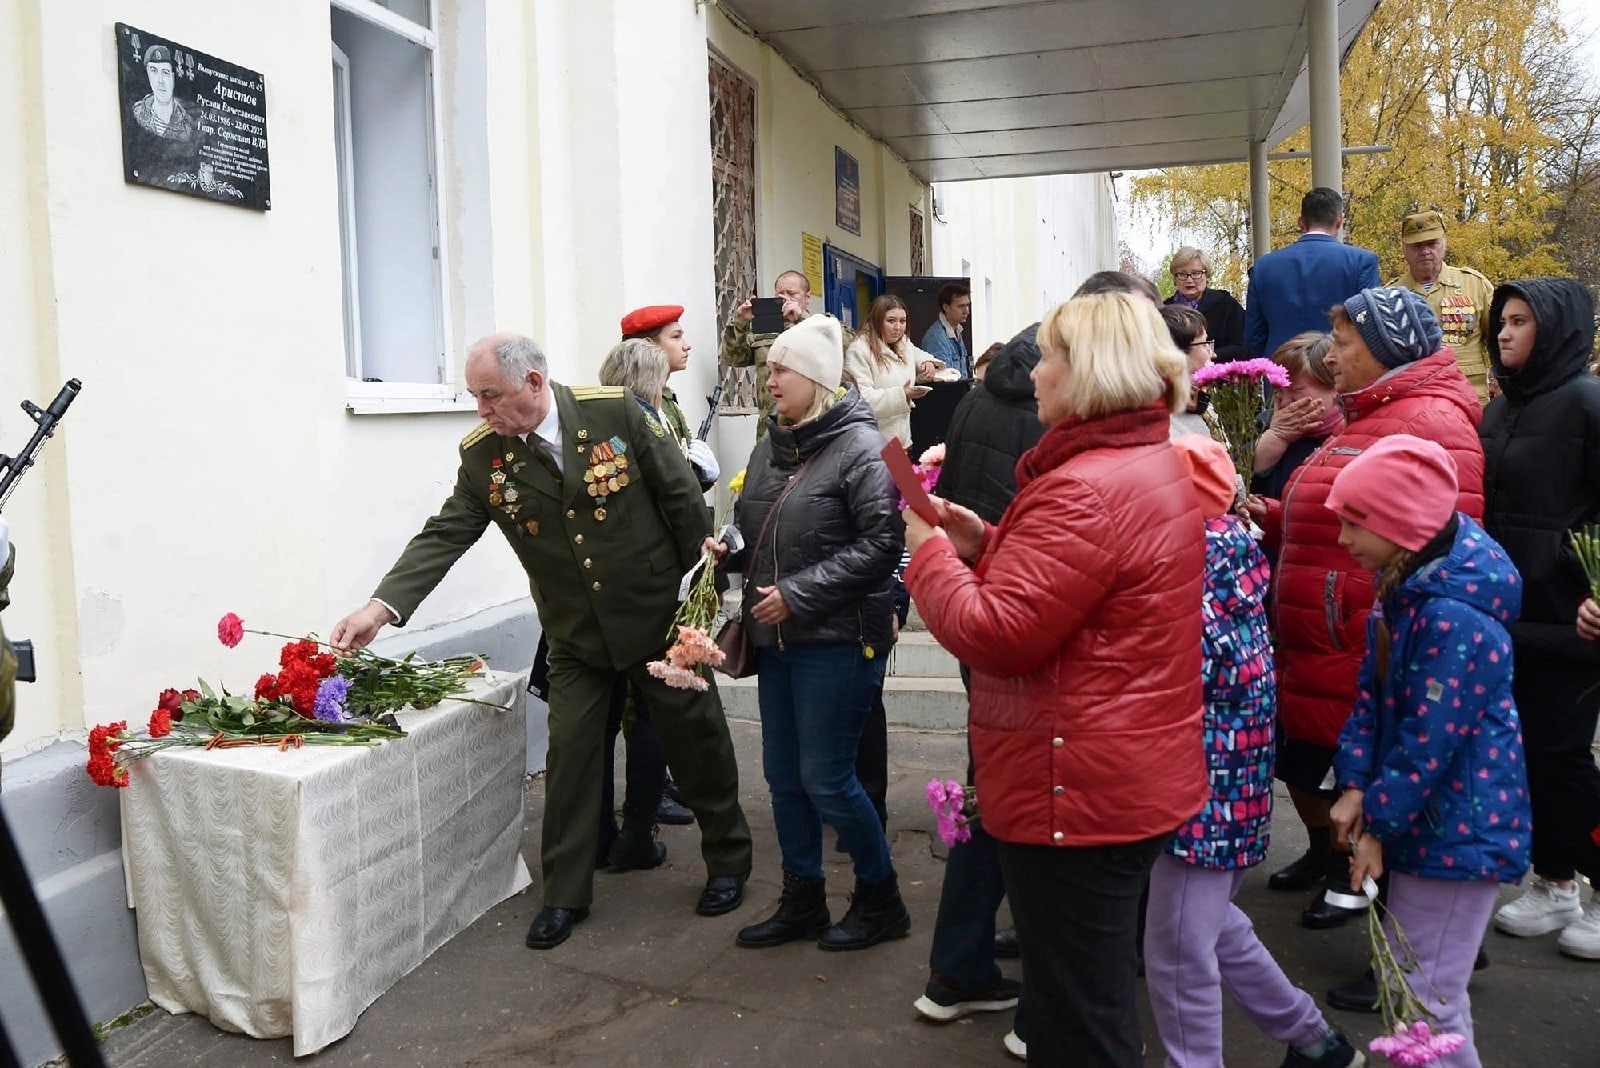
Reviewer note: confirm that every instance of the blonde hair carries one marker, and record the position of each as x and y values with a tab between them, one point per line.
639	366
1118	352
1185	255
1304	354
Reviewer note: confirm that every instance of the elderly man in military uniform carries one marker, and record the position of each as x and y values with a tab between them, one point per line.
605	517
743	347
1459	296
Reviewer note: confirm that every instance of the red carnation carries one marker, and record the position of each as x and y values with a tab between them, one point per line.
230	630
267	688
103	743
170	700
160	723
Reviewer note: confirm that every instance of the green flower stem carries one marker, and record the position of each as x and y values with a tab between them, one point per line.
1586	543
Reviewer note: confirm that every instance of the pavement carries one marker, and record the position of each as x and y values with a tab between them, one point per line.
646	982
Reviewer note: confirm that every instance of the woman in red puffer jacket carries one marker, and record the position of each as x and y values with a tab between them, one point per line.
1393	378
1080	616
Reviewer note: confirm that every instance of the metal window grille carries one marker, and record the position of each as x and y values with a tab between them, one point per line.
919	264
733	203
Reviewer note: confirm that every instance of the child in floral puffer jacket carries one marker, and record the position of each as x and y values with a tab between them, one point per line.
1196	938
1431	759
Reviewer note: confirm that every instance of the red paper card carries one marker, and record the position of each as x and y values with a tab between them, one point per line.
894	454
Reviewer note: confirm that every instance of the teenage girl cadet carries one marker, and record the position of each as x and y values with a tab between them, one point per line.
1431	760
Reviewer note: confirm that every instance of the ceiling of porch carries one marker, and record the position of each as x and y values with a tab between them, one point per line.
967	89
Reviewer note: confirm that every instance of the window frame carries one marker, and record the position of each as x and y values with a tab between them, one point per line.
445	395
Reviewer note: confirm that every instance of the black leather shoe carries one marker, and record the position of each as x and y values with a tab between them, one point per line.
636	849
1322	915
1359	996
802	913
1305	872
1006	944
723	893
671	812
554	926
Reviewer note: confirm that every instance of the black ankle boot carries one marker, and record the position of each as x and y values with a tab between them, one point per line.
876	912
1336	905
1306	872
636	848
802	913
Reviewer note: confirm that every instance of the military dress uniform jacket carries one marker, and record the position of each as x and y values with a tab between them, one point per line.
1460	301
603	567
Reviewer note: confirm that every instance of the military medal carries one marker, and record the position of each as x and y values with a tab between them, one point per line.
599	515
532	527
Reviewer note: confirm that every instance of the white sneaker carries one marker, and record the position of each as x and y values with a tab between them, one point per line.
1015	1046
1542	908
1581	938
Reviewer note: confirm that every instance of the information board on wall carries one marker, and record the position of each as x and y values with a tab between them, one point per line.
191	123
811	260
847	191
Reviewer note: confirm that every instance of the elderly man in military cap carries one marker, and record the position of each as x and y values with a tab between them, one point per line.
605	517
1459	296
158	112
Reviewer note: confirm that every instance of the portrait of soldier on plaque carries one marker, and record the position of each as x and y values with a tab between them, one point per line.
159	112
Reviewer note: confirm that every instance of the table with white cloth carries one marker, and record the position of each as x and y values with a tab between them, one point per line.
280	893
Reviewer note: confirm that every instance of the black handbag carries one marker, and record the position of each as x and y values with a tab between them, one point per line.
738	656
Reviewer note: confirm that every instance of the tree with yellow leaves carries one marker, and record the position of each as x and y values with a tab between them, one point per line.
1485	113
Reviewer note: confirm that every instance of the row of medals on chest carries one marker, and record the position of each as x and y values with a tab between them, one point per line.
606	474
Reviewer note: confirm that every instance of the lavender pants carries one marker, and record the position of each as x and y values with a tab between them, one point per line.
1445	921
1197	943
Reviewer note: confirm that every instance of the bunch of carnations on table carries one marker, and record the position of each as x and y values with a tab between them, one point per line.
687	663
955	808
315	698
1408	1036
1237	398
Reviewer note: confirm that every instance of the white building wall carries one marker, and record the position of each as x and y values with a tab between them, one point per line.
1033	239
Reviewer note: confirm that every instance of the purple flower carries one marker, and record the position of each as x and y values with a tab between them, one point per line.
936	794
329	706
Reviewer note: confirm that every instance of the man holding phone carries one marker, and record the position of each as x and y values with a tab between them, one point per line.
755	324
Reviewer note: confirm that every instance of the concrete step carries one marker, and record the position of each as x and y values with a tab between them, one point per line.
923	703
918	655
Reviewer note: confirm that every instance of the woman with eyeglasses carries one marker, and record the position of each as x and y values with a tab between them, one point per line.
1191	273
1188	330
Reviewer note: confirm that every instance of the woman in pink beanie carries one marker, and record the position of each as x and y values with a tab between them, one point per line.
1430	761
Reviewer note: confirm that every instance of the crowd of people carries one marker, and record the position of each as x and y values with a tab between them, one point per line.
1388	619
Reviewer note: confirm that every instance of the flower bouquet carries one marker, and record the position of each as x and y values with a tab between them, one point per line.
1237	398
315	698
927	469
955	807
1586	543
680	666
1408	1036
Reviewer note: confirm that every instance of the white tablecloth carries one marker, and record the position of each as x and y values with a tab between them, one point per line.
282	893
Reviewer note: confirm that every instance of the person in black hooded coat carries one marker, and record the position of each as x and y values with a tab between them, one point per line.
995	423
1541	444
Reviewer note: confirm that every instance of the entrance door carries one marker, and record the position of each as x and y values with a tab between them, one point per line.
850	284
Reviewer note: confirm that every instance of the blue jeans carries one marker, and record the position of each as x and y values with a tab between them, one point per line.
814	701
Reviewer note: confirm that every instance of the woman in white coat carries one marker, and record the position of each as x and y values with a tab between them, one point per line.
887	368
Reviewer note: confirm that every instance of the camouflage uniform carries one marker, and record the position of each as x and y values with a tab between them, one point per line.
743	348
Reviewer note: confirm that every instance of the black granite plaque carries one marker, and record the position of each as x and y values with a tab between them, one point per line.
192	123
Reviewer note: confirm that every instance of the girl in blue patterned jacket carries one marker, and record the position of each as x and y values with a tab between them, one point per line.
1431	759
1196	939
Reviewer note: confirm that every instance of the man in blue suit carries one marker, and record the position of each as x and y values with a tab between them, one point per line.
1292	289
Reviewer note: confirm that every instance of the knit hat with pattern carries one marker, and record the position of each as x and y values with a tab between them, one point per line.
1397	324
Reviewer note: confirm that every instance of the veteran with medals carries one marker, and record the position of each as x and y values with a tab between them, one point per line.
605	517
1459	296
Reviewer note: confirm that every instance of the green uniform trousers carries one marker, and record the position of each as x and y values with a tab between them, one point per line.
699	749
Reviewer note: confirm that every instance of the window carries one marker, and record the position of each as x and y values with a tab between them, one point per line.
918	247
386	147
733	207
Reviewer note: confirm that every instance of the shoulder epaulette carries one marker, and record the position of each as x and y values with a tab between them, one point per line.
586	393
1475	273
479	432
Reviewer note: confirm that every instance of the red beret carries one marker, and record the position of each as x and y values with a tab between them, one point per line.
644	320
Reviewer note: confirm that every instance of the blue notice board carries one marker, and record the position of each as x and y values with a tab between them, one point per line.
846	191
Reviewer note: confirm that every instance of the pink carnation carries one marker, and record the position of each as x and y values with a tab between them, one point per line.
694	647
679	678
230	630
1241	371
936	794
932	456
1416	1044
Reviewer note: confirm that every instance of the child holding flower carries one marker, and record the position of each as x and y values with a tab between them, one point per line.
1197	940
1431	760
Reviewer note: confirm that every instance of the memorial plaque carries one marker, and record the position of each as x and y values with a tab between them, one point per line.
191	123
